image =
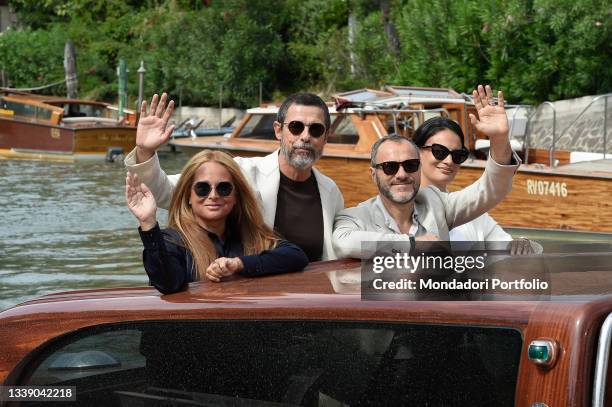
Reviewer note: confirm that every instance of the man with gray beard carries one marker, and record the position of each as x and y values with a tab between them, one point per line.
402	212
297	200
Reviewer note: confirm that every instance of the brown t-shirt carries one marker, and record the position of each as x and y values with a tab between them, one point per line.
299	217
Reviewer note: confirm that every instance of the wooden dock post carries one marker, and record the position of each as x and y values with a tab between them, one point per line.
72	83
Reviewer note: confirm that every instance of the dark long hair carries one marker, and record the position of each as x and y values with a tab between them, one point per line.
433	126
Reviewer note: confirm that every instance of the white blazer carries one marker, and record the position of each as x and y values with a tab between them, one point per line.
263	174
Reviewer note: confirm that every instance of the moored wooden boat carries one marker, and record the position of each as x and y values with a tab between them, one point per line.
54	128
572	196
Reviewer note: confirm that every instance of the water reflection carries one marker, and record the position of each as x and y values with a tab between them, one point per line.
65	226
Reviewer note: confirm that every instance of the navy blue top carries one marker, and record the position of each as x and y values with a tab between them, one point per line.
170	267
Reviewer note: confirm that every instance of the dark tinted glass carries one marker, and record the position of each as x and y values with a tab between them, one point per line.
21	109
289	363
203	189
392	167
315	130
440	152
259	126
343	130
43	114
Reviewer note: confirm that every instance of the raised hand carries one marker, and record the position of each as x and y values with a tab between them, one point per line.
223	267
153	130
493	122
140	201
492	119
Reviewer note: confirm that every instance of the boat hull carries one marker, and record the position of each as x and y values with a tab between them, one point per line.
29	140
540	198
549	199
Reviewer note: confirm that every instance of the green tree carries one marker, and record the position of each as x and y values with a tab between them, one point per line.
533	49
194	52
32	58
549	50
442	44
316	43
376	65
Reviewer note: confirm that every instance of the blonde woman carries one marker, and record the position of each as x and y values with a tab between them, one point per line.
215	228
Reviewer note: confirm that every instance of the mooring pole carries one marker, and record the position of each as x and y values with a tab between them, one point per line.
72	83
180	103
220	103
141	73
122	74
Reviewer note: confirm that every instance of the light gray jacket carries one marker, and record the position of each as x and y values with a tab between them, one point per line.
437	211
263	174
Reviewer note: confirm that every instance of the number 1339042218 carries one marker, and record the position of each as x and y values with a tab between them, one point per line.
539	187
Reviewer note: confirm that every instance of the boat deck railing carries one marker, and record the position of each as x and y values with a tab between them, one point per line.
605	121
555	138
528	133
516	108
396	112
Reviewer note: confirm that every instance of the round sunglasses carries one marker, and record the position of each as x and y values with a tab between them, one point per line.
392	167
203	188
297	127
440	152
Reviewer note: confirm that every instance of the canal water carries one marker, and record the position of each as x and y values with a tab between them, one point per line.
66	226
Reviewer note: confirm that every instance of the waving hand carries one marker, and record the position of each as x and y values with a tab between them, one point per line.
493	122
153	130
140	201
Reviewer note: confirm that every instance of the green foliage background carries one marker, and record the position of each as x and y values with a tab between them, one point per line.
535	50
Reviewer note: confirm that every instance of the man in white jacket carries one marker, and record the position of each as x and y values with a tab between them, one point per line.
297	200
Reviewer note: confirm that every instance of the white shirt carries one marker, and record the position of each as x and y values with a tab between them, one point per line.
415	230
482	229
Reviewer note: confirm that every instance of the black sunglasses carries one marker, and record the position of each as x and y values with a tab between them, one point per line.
392	167
203	188
296	128
440	152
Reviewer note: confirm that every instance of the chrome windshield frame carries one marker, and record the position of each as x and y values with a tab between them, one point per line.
601	364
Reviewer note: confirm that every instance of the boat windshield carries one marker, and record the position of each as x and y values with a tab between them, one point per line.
84	110
344	131
25	110
296	363
405	123
259	127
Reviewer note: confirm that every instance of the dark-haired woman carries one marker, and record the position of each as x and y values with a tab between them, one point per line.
440	140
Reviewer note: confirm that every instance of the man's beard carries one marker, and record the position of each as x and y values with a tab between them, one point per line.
386	192
300	161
